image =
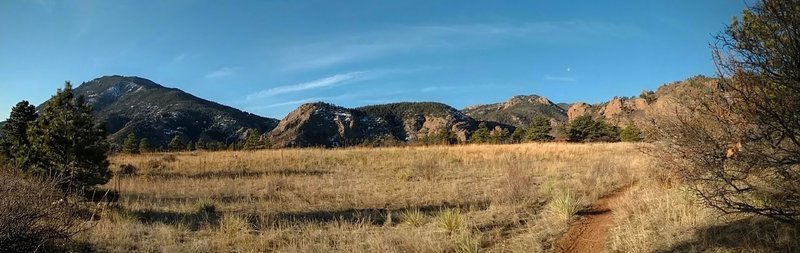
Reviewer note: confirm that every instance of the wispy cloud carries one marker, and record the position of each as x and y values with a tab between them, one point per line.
47	5
316	84
559	78
438	88
337	50
222	72
287	103
177	59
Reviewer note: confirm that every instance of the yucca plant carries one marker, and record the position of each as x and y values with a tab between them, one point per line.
564	204
413	217
450	220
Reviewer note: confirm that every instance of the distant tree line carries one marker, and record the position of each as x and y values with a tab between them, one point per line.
251	139
580	129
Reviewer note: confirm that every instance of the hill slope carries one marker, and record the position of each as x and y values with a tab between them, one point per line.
518	111
325	125
414	120
140	106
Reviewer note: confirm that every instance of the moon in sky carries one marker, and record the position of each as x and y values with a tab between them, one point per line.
569	69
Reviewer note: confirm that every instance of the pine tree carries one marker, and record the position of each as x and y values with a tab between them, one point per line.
630	134
584	128
67	143
501	136
481	135
518	135
201	144
15	144
130	146
190	146
252	139
176	144
539	130
144	145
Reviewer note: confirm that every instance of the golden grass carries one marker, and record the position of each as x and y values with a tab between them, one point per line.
487	198
668	218
404	199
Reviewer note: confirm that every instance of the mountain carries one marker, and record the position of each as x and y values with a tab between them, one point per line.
620	111
327	125
411	121
518	111
149	110
140	106
623	111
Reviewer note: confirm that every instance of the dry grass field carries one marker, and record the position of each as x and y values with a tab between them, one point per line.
488	198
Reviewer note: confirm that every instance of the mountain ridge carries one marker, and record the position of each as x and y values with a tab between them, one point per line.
129	104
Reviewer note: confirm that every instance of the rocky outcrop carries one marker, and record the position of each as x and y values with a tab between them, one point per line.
577	110
326	125
415	120
518	111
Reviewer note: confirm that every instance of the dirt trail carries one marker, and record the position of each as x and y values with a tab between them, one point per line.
590	232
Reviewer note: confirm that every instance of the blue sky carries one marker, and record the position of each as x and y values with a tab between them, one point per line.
268	57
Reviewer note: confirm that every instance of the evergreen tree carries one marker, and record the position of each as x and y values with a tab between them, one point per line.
518	135
144	145
176	144
444	136
200	144
15	144
190	146
630	134
481	135
539	130
584	128
130	146
69	146
501	136
252	139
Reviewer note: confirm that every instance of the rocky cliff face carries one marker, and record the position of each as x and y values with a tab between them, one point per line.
578	109
326	125
414	120
620	111
149	110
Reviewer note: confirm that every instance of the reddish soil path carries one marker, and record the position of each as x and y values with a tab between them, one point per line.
590	232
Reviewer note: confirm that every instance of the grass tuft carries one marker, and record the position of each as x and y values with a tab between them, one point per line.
450	220
564	204
413	217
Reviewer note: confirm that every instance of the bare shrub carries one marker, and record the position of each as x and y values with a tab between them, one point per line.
127	170
33	214
156	167
736	142
169	158
517	186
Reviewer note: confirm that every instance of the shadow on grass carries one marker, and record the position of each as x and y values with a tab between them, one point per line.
377	217
193	221
181	199
746	235
371	216
238	174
